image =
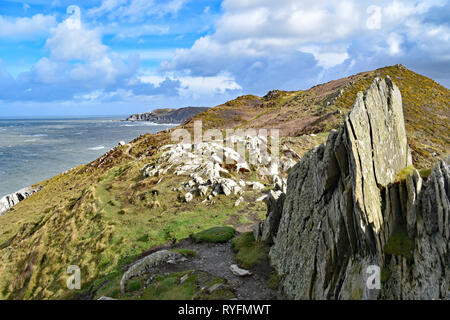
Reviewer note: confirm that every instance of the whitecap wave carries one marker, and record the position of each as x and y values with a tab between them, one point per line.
97	148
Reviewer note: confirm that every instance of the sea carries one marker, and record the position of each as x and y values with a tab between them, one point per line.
36	149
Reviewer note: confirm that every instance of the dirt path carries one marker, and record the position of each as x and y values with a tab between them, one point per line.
216	259
127	152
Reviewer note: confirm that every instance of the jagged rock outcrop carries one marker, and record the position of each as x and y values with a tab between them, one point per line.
10	200
180	115
343	204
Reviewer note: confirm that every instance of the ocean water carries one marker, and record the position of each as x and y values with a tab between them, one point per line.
32	150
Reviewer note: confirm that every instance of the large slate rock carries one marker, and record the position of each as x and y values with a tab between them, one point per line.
342	206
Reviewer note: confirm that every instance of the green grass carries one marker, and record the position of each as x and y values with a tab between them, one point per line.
400	244
186	285
385	275
425	173
134	285
249	253
404	173
215	235
95	228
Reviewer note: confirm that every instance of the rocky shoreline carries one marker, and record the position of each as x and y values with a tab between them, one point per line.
10	200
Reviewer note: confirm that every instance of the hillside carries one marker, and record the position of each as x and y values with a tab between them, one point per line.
176	116
105	214
321	108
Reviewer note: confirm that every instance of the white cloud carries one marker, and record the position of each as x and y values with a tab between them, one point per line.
327	57
148	54
298	22
253	39
207	85
78	63
70	40
196	86
20	28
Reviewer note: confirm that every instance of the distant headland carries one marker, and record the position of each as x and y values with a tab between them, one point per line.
168	115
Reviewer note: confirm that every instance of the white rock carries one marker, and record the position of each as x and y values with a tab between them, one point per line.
203	190
226	190
106	298
238	201
261	198
188	197
257	185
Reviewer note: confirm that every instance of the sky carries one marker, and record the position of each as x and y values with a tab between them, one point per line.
117	57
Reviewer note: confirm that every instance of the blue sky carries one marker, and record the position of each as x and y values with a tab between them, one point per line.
104	57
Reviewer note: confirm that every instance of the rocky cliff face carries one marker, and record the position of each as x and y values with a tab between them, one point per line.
168	115
12	199
344	208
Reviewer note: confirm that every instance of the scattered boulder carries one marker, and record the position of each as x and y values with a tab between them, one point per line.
188	197
255	185
216	167
261	198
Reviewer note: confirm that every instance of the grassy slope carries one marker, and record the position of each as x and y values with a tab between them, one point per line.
103	214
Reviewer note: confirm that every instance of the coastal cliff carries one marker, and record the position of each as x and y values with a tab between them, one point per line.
356	202
351	202
10	200
174	116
